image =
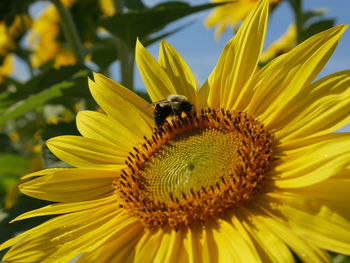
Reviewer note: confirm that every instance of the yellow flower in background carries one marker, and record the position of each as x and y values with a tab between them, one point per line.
230	14
6	67
64	58
284	44
107	7
43	40
253	174
10	33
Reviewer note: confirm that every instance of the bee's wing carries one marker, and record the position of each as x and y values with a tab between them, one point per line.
156	102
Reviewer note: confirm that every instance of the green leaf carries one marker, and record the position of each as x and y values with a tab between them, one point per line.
45	87
316	28
338	258
12	167
86	15
34	101
4	102
45	80
309	15
6	144
152	39
104	53
134	4
12	164
141	23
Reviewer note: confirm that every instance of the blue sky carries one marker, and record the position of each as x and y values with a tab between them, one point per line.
201	51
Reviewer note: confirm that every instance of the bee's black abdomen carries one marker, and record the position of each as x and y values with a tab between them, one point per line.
186	107
160	113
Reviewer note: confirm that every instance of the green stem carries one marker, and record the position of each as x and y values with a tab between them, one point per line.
70	31
126	56
29	65
297	9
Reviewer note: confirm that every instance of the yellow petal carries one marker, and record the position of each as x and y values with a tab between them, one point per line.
85	152
192	247
65	208
209	247
100	231
334	193
157	82
71	185
202	97
131	112
322	108
119	248
225	250
148	245
178	71
169	247
272	248
306	251
228	14
231	245
313	163
283	78
34	245
313	221
96	125
237	223
239	59
125	95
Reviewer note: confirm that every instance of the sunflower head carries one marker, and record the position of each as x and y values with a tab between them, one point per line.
251	174
179	176
44	39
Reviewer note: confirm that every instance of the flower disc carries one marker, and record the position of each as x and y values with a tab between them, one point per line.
192	160
195	168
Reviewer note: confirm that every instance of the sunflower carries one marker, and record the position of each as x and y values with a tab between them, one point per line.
43	39
11	33
231	13
252	174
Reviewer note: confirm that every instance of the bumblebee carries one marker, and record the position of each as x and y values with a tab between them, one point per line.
173	105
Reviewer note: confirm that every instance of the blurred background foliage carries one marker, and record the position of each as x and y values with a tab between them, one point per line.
60	47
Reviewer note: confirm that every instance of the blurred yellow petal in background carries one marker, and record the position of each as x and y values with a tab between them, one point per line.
43	40
6	67
107	7
230	14
282	45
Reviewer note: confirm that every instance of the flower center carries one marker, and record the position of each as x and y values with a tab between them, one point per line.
194	168
193	160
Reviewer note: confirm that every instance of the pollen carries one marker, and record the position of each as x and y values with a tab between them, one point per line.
195	168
